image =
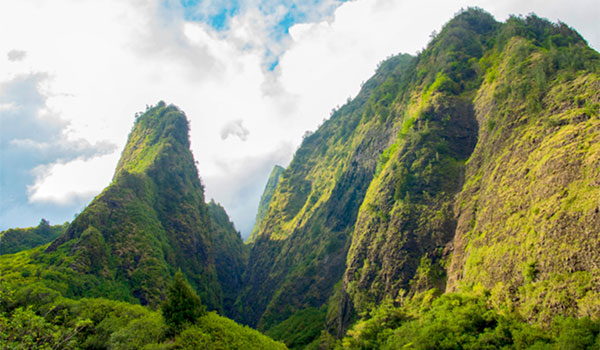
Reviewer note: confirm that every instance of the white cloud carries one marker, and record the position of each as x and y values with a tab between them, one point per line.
103	61
235	128
16	55
73	178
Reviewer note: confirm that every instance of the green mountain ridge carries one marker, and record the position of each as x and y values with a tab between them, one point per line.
19	239
299	252
265	199
485	180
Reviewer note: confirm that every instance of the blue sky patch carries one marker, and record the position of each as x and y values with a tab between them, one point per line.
217	14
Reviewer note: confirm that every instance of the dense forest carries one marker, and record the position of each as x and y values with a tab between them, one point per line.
454	203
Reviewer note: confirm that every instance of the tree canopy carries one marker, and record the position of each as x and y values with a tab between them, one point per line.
182	305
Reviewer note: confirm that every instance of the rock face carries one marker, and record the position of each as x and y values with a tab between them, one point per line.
152	220
407	218
475	163
528	217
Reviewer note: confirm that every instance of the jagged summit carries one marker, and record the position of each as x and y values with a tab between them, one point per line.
152	220
161	129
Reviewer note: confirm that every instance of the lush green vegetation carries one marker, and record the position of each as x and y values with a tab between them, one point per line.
407	216
299	251
513	81
453	204
529	199
18	239
39	318
182	305
300	329
462	321
230	254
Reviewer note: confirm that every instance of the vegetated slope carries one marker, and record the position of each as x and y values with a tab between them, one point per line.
149	222
231	255
265	199
18	239
494	182
528	217
407	217
299	251
473	165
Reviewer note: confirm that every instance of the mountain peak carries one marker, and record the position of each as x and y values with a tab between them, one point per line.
265	199
162	128
152	220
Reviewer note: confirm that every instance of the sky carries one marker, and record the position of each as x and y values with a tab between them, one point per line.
252	77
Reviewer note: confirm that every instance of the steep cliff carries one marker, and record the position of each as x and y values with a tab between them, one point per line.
149	222
493	181
407	217
265	199
528	217
472	165
231	255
